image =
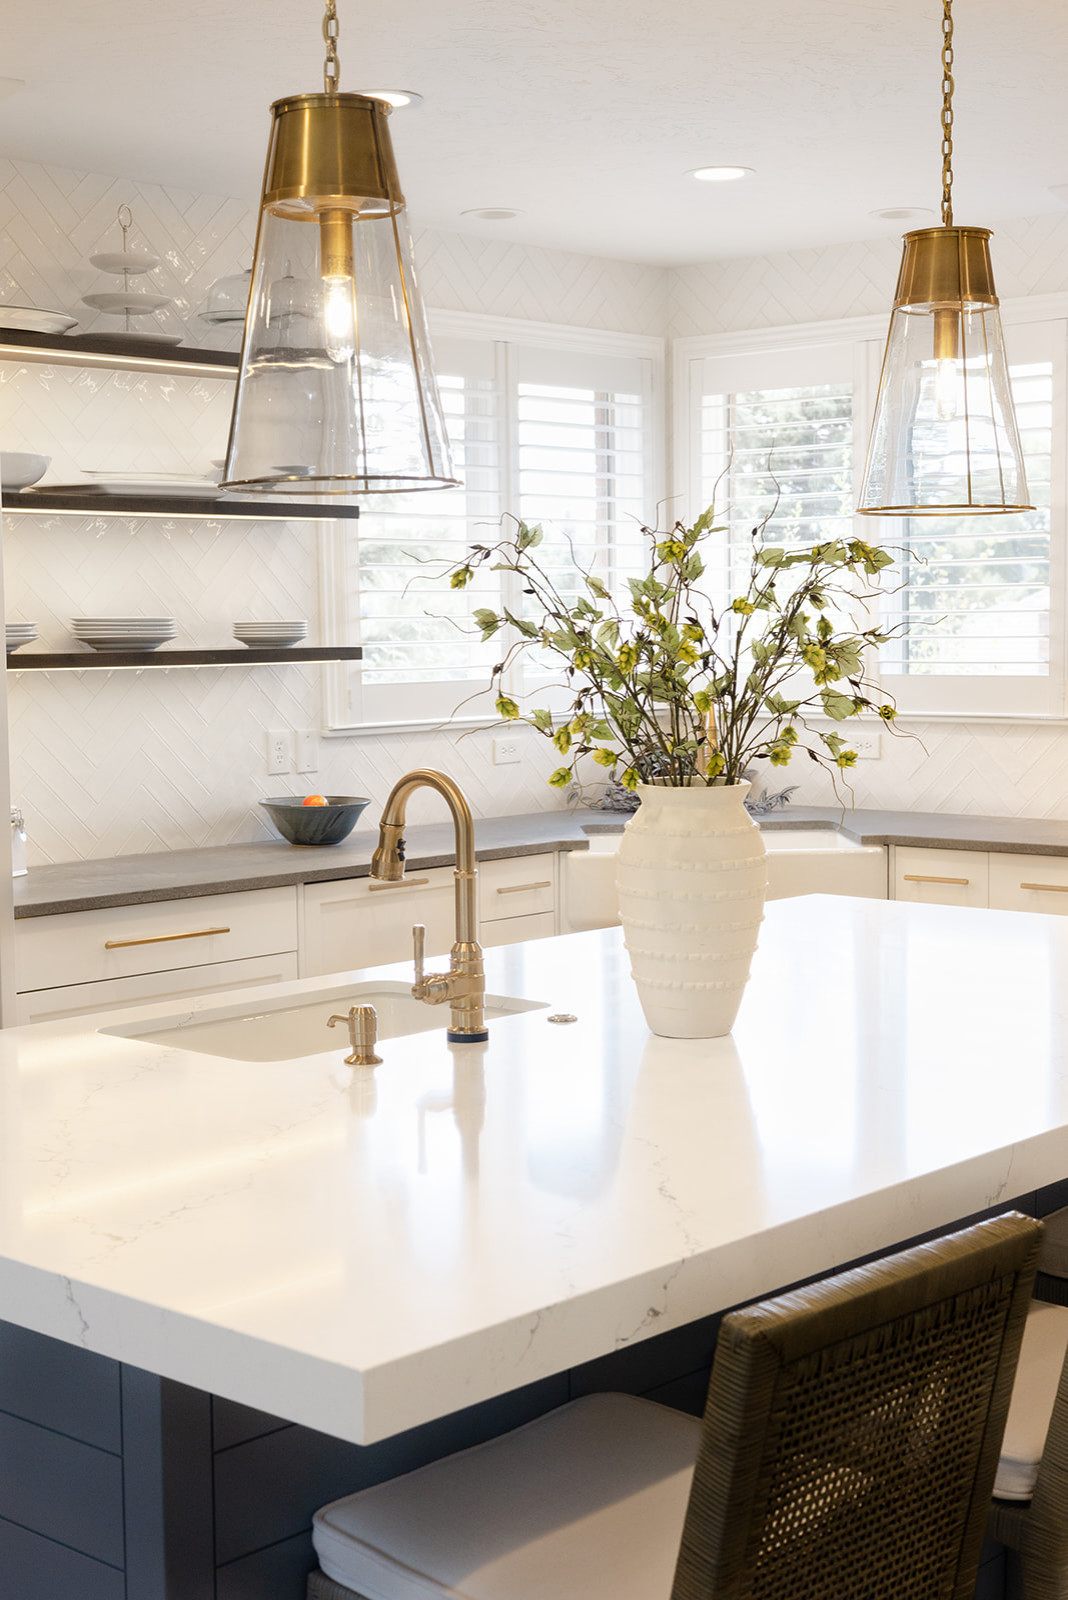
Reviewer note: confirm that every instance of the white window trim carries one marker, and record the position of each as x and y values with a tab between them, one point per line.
339	626
868	335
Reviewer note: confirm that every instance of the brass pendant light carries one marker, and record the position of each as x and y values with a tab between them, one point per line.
944	439
336	392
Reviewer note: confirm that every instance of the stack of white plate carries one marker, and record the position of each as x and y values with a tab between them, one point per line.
19	633
271	635
123	633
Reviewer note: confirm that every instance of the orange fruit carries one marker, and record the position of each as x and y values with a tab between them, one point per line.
314	800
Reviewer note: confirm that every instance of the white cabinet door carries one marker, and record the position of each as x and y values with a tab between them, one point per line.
355	922
114	994
517	886
1029	883
516	930
159	936
941	877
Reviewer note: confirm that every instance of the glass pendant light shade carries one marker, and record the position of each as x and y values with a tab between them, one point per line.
336	393
944	438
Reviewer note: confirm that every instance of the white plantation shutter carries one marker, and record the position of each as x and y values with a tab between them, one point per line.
555	435
582	425
979	604
420	658
776	436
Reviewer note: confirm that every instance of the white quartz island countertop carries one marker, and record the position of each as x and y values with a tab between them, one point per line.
362	1250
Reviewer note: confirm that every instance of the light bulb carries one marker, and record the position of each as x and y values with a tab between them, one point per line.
946	388
946	350
339	318
339	289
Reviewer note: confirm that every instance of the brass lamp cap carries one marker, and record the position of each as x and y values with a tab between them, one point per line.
330	152
946	266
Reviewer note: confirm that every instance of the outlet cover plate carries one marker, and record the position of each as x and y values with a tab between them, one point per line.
505	750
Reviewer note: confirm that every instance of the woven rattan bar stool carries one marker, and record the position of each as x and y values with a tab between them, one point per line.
847	1452
1030	1507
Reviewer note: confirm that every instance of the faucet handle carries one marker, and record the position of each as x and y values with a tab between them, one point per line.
419	943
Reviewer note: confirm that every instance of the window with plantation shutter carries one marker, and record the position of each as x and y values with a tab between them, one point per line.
776	440
976	614
545	430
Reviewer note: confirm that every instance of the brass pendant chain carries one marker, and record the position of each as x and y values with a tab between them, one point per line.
947	113
331	66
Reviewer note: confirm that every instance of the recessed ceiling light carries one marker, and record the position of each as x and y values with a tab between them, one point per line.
903	214
492	213
719	174
394	97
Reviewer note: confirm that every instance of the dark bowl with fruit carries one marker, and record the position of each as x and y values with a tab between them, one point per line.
317	818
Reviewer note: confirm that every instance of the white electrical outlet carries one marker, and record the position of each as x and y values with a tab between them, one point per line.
505	751
869	746
307	750
279	752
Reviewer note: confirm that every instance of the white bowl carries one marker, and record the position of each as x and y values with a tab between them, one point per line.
18	470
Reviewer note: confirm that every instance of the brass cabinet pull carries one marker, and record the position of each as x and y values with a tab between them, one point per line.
518	888
163	938
1052	888
401	883
920	877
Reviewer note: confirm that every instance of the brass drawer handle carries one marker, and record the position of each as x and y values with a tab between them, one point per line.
401	883
919	877
1052	888
163	938
520	888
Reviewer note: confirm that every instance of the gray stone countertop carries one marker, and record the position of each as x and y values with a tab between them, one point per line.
223	869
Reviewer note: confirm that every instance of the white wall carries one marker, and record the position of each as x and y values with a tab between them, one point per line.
104	763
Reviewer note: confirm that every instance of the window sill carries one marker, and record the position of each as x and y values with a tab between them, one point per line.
459	725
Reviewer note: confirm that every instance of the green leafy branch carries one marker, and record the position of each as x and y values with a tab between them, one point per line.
664	685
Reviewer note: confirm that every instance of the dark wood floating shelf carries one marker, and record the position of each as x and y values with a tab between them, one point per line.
84	660
131	353
224	509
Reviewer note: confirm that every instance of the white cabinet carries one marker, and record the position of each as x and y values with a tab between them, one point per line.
357	922
128	955
1029	883
1003	880
941	877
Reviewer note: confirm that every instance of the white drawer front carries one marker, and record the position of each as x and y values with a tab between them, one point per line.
941	877
516	930
1029	883
357	922
90	946
519	886
116	994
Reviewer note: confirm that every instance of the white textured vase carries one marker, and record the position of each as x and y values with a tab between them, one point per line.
692	877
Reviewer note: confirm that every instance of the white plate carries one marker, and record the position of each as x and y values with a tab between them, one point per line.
148	642
125	261
139	305
29	320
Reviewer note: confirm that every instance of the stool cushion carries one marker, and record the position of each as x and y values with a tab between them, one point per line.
1038	1373
586	1503
1054	1255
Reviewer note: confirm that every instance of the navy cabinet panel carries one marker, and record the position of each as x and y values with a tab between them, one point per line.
60	1386
235	1424
278	1573
32	1568
64	1490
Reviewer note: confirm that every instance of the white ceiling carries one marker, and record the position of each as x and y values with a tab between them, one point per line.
583	114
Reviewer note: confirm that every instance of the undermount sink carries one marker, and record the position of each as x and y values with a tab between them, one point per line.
291	1028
